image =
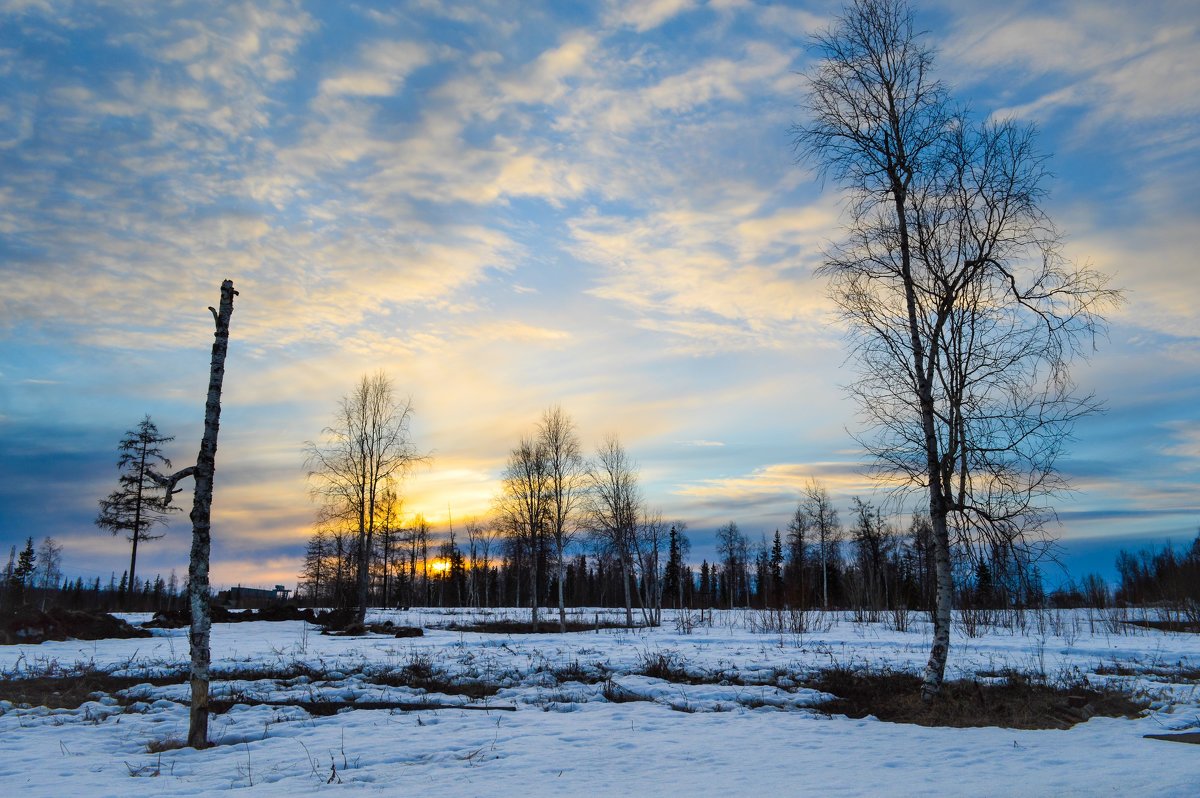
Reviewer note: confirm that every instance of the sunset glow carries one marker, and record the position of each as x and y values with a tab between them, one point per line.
508	206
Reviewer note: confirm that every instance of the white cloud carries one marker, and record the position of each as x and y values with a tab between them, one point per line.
1112	61
545	80
646	15
780	483
730	277
383	69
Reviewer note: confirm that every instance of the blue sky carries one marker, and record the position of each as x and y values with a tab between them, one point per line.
510	205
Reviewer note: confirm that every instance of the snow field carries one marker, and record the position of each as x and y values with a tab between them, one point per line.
586	721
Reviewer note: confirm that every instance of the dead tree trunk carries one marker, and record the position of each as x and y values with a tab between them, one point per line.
201	514
202	471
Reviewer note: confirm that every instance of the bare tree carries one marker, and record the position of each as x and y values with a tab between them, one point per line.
613	506
873	543
417	537
734	550
797	560
960	307
474	531
822	518
49	564
315	572
388	509
137	505
363	454
421	531
651	535
481	538
566	471
525	506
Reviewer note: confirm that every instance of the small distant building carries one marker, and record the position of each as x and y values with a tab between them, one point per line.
252	597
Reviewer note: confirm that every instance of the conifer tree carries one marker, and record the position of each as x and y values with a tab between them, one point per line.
21	574
671	584
776	571
137	505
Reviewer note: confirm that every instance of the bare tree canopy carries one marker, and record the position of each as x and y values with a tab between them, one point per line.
817	513
962	311
361	456
613	508
524	506
565	482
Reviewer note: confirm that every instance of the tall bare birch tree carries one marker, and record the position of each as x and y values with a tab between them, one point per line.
565	472
649	540
613	507
821	517
366	451
524	506
962	312
481	537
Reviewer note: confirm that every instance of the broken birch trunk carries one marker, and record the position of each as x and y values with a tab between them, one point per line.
201	513
202	471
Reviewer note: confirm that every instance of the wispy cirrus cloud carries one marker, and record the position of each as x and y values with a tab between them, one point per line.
729	276
1104	63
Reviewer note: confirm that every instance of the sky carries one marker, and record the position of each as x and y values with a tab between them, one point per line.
510	205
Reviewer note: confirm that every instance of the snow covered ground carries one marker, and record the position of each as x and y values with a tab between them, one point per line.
587	722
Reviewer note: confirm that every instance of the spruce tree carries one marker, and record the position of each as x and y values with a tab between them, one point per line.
671	585
776	569
21	575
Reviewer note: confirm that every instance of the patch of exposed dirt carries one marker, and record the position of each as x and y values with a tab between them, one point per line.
69	688
1015	702
28	625
1169	626
177	619
72	691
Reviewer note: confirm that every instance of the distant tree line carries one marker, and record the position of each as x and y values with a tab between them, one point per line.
33	577
1166	577
631	558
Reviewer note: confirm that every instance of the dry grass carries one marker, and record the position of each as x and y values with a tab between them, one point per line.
169	743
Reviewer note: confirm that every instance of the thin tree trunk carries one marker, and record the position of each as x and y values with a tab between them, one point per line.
201	514
824	572
625	569
562	607
533	585
137	520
